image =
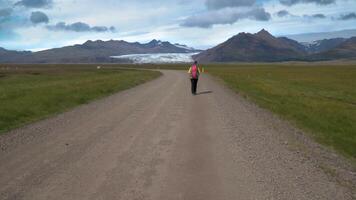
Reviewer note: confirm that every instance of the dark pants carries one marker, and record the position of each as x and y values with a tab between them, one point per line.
194	85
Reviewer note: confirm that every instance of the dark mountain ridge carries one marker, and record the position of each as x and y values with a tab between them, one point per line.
323	45
93	51
264	47
243	47
345	50
259	47
8	55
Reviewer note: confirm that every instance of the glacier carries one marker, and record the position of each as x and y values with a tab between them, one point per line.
157	58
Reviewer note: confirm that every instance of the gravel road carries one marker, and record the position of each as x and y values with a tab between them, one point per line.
157	141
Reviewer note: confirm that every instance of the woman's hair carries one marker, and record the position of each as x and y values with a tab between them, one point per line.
195	62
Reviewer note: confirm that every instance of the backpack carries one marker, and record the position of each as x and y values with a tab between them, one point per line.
194	72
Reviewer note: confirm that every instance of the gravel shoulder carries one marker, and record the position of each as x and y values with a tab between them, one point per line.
157	141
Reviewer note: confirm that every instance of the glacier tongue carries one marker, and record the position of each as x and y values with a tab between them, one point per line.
158	58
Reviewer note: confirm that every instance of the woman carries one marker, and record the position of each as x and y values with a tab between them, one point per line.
194	72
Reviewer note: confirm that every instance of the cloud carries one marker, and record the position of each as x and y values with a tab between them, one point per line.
218	4
315	16
319	16
348	16
79	27
35	3
135	33
9	20
319	2
226	12
259	14
39	17
6	35
225	16
282	13
5	12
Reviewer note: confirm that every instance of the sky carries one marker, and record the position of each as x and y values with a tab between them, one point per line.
43	24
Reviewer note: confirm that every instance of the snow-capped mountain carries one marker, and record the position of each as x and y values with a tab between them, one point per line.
184	47
157	58
96	52
322	45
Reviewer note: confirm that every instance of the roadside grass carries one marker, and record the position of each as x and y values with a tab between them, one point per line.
30	93
320	99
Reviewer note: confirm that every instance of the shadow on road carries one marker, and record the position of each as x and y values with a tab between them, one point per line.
204	92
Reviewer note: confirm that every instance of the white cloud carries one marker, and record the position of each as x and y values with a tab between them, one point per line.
218	4
142	20
226	16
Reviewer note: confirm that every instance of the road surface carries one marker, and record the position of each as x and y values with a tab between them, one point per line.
157	141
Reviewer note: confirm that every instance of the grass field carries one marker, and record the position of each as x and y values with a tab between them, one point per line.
320	99
30	93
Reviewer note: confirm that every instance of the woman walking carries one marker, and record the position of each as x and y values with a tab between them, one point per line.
194	72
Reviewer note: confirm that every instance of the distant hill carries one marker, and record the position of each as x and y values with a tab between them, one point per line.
346	50
94	52
259	47
264	47
298	46
243	47
323	45
8	56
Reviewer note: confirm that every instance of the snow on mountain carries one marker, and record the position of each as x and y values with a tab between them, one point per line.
311	44
183	46
322	45
158	58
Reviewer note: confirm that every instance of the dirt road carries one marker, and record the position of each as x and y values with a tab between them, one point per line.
157	141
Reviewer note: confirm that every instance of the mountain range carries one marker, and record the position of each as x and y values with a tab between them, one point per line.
345	50
264	47
247	47
322	45
92	52
243	47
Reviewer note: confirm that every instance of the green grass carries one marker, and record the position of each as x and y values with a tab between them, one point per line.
320	99
31	93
